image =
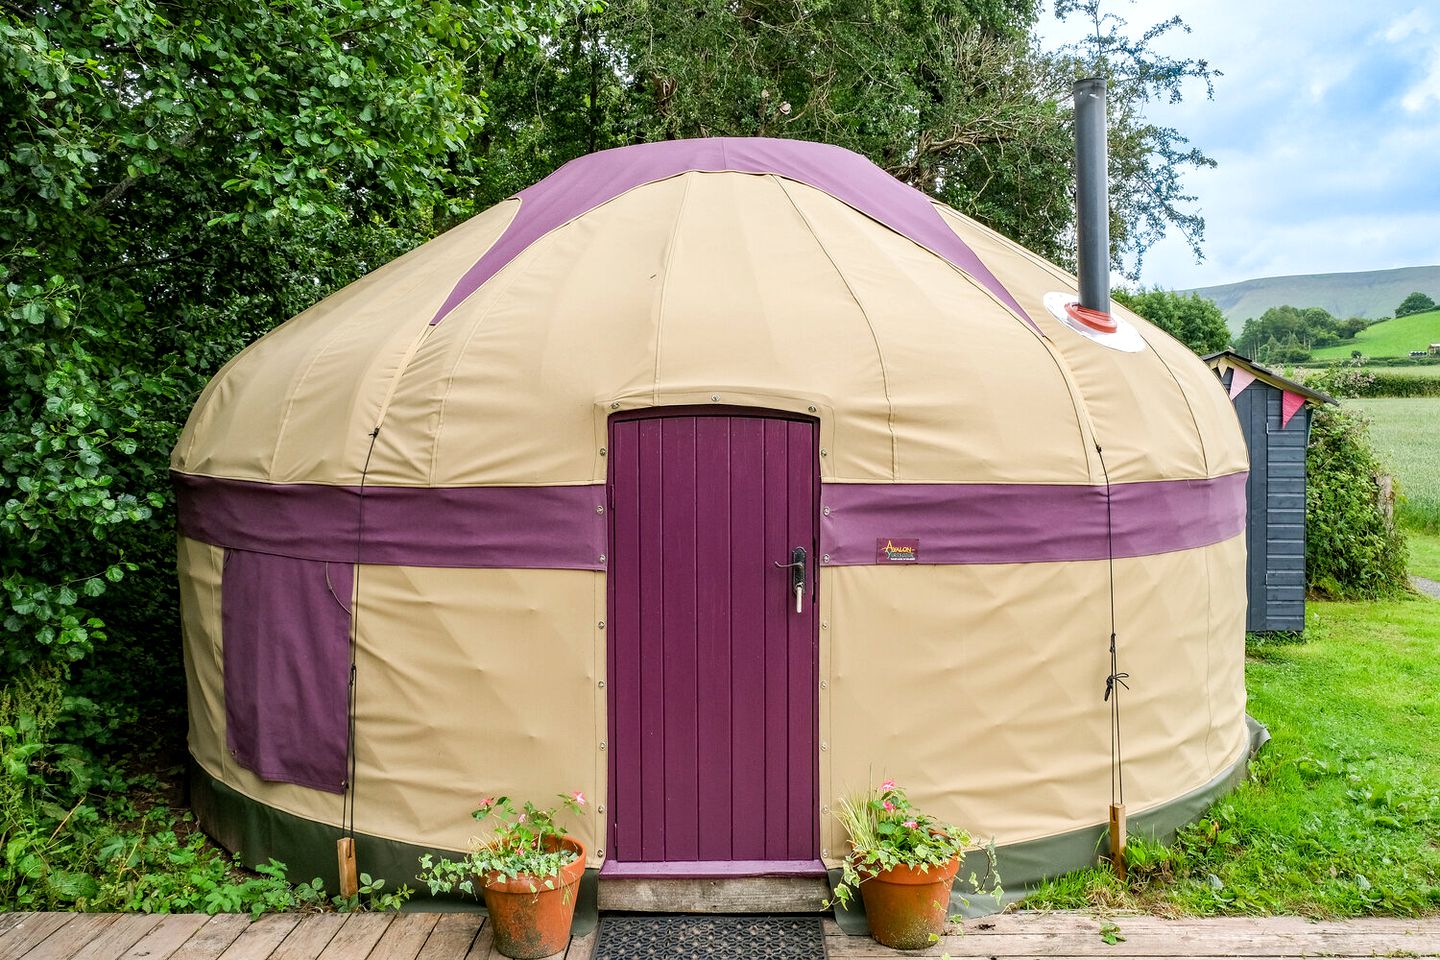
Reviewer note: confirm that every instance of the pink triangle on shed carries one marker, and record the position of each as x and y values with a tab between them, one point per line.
1288	405
1239	380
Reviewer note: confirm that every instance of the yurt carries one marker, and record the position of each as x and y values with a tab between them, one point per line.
716	479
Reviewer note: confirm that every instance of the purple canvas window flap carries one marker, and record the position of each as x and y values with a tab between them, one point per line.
286	638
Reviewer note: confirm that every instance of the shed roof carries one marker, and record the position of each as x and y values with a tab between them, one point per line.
1226	359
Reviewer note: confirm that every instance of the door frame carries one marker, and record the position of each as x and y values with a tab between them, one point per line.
701	868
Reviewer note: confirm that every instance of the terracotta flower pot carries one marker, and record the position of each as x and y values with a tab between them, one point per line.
906	906
529	924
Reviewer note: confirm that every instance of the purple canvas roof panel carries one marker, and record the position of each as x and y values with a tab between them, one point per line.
589	181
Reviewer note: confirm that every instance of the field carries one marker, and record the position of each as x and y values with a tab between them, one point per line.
1406	433
1424	554
1416	370
1389	338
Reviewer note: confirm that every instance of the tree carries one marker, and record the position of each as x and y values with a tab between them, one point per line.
175	179
1350	326
1189	318
1148	162
1297	330
951	96
1416	302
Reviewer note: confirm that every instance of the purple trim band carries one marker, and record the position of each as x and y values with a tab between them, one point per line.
556	527
589	181
561	527
1030	523
702	869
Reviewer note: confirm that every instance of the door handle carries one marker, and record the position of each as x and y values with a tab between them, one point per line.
796	566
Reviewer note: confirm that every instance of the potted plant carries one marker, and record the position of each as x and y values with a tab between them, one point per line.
528	870
903	862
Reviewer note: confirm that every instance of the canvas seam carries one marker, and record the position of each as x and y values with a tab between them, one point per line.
463	348
217	646
670	249
864	314
339	332
1084	423
201	409
551	232
1209	660
1060	275
409	355
1189	408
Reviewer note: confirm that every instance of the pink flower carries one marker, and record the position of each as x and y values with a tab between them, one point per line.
889	807
487	802
520	819
887	786
911	824
578	797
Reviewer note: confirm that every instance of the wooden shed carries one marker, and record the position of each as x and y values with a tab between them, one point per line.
1274	414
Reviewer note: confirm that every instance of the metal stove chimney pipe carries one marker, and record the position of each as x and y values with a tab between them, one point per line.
1092	195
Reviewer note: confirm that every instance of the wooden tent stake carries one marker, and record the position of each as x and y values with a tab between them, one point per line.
1117	839
345	852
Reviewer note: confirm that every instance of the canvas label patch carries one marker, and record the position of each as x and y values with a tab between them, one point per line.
896	550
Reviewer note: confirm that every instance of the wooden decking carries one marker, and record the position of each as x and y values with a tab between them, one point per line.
430	936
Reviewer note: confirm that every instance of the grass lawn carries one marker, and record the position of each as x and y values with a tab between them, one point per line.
1424	554
1342	814
1406	433
1389	338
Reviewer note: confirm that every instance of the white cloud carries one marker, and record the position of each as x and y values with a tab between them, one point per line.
1325	124
1416	21
1427	91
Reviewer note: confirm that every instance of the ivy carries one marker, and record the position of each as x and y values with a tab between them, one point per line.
175	179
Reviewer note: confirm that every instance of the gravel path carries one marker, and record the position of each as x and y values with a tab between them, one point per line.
1431	588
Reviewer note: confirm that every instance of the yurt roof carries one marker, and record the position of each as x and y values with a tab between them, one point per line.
771	274
591	180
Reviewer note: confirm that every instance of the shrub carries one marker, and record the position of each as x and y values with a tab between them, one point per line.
1416	302
1353	549
72	836
1348	379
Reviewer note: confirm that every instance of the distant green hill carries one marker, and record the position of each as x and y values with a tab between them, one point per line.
1389	338
1372	293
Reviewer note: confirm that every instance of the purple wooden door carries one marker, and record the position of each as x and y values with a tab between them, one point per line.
712	672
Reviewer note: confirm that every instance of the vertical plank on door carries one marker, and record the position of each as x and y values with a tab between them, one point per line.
713	651
747	629
652	643
779	610
803	655
626	800
679	550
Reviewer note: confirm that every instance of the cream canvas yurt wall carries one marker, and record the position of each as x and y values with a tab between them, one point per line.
903	359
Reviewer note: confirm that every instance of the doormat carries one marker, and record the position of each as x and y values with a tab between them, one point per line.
691	937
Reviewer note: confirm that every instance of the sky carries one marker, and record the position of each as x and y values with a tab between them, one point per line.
1325	127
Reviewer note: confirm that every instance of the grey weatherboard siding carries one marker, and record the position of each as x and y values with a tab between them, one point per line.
1275	522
